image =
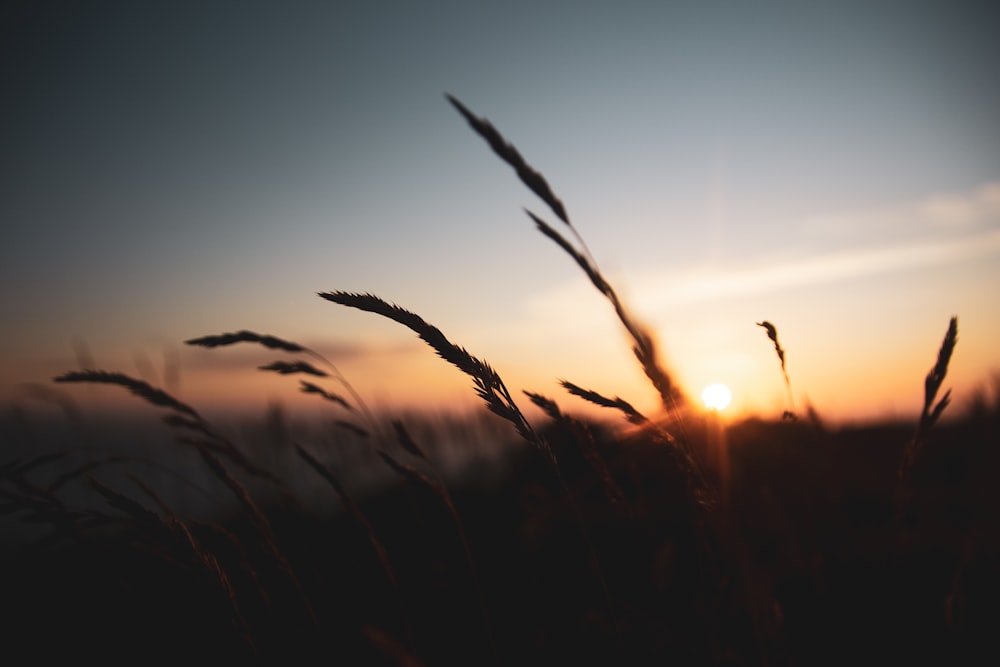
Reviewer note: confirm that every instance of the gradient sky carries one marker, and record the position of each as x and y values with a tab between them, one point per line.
170	170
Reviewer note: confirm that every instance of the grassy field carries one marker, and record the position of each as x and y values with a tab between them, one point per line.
816	558
381	540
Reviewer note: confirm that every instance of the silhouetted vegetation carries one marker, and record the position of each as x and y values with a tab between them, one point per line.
667	539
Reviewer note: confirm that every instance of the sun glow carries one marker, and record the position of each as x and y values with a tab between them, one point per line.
716	396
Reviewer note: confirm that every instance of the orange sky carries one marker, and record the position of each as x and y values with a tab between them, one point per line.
169	173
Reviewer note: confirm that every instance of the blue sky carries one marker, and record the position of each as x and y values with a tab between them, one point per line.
176	169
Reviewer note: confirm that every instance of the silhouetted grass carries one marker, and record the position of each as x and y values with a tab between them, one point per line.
601	543
772	333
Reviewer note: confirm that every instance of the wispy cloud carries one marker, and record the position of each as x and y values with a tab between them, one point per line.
818	269
933	231
943	211
962	211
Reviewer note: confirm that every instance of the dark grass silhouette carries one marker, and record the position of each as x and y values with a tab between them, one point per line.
601	543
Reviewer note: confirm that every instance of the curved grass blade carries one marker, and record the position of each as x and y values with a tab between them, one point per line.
631	414
139	388
531	178
931	412
772	333
291	367
244	336
487	382
310	388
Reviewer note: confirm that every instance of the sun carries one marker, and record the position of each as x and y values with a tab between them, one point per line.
716	396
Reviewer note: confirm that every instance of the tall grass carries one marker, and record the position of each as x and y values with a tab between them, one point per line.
604	545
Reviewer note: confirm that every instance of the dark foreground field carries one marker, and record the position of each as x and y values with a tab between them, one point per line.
814	556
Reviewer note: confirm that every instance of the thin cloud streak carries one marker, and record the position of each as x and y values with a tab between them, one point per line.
957	214
823	269
655	291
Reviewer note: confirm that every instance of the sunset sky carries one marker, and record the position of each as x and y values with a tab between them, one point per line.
170	170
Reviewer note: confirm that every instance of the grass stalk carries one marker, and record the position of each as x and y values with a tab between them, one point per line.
772	334
931	411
